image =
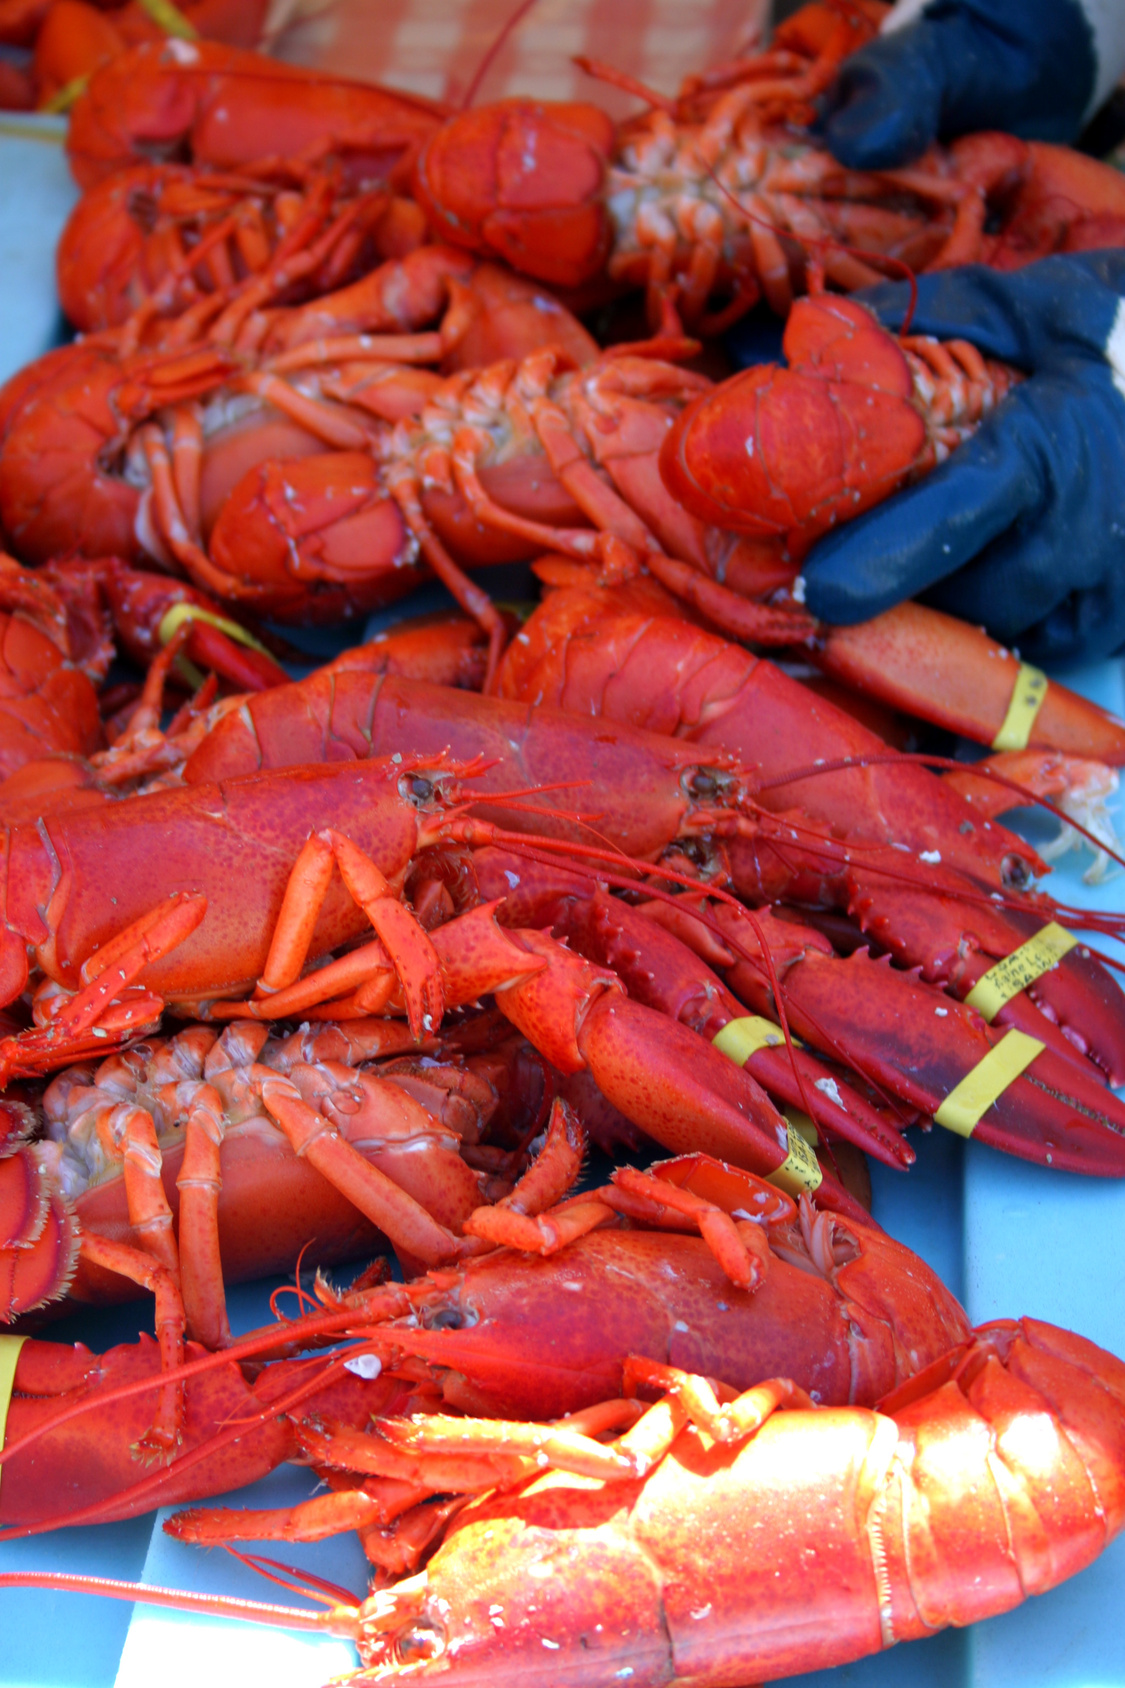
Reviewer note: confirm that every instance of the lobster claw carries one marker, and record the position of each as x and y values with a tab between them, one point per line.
773	449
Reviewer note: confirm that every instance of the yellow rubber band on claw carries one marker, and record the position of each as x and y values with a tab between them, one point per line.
739	1039
173	620
970	1100
1015	972
799	1173
9	1353
1024	705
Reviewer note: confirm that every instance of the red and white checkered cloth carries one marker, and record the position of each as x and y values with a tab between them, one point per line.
433	47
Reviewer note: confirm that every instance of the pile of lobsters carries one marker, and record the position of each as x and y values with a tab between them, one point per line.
364	963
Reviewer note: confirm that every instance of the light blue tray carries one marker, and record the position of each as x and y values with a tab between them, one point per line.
1008	1238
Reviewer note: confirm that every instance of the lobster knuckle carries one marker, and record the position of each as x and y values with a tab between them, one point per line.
477	955
551	1007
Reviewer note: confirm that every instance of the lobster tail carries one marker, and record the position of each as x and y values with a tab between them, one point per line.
1040	1499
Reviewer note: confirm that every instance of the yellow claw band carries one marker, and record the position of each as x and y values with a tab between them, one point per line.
174	619
9	1353
799	1173
170	19
1016	971
739	1039
66	96
803	1125
1023	706
968	1101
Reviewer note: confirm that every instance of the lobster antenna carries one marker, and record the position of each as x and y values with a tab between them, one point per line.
949	764
303	1582
492	51
304	1299
181	1600
628	84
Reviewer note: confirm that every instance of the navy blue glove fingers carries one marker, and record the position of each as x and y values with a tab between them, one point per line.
1035	317
1023	529
865	120
1026	66
923	534
1083	625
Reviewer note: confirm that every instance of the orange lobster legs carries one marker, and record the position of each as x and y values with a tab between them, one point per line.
159	237
209	1103
224	107
692	1566
86	1469
92	874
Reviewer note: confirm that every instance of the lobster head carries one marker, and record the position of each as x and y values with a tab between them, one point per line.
539	1589
522	180
791	451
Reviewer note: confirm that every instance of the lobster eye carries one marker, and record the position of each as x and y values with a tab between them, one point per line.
417	789
446	1318
418	1641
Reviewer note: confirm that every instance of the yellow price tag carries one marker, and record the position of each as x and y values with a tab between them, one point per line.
1015	972
1024	705
9	1353
968	1101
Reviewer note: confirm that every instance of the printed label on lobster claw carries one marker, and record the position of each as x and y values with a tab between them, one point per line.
799	1173
1016	971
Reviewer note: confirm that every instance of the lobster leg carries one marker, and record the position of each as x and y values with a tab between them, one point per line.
107	978
412	954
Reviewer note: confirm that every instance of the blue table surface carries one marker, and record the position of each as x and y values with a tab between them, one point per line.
1007	1237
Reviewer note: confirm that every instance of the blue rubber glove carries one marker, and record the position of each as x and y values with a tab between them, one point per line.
1023	527
1037	68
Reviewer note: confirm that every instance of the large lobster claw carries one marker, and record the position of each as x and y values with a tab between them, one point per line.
777	449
